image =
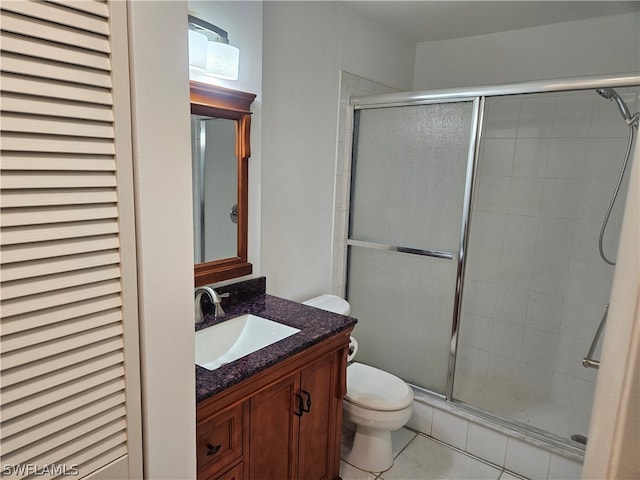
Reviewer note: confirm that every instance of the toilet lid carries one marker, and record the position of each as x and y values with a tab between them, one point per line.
376	389
331	303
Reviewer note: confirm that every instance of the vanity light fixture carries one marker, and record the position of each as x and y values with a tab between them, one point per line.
215	56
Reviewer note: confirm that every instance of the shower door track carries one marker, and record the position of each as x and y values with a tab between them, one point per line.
462	93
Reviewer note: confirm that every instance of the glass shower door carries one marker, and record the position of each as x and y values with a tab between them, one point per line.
409	172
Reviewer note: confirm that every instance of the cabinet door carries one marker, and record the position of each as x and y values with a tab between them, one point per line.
219	440
320	426
275	431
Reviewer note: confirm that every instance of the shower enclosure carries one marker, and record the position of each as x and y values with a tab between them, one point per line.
473	242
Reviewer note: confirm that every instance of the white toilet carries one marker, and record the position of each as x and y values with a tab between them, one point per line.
377	403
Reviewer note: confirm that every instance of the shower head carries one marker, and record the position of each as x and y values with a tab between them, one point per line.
611	94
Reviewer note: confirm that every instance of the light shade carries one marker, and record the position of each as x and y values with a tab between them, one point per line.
222	60
197	50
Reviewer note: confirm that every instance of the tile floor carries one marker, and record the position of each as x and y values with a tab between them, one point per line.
419	457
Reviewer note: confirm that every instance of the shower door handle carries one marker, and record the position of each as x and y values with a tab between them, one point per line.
410	250
588	361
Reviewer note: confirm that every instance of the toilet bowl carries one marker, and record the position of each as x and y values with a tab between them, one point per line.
377	403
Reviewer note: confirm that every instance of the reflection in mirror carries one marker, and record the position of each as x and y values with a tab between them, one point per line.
215	179
220	124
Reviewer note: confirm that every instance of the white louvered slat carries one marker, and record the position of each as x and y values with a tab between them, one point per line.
46	197
56	214
18	123
31	180
69	263
99	454
94	7
55	232
64	335
56	161
58	14
23	252
63	390
50	284
54	179
20	65
54	32
42	415
53	89
53	315
66	54
56	108
22	391
56	144
55	424
62	360
96	426
36	348
46	300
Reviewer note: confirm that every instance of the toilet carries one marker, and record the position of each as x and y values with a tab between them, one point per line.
377	403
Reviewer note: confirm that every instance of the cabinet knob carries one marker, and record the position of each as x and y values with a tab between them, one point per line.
212	449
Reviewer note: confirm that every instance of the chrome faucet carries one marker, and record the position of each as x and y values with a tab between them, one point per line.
214	298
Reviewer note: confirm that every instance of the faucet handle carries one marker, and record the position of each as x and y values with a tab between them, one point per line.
217	304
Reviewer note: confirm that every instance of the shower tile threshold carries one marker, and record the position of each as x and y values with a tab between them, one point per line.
420	457
526	433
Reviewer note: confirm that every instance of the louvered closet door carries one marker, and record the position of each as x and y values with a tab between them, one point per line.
69	359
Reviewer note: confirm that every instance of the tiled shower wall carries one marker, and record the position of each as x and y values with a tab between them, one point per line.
535	287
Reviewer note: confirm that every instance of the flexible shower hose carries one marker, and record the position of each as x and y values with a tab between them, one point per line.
615	194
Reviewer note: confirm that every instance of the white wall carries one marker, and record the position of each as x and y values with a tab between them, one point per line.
614	435
584	47
243	21
162	166
306	45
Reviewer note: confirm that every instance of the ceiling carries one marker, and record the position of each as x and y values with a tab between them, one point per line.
423	21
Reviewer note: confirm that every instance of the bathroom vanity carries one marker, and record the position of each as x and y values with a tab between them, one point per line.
275	413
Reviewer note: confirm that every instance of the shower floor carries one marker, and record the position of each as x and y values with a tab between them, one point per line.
514	405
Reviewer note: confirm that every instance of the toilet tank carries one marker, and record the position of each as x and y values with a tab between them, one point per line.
331	303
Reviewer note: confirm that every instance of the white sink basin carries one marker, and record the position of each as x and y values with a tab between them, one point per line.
235	338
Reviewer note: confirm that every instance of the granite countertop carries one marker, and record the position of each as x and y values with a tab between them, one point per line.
314	324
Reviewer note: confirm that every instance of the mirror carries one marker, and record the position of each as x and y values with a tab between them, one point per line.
220	128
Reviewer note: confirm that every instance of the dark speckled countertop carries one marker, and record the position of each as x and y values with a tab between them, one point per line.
249	297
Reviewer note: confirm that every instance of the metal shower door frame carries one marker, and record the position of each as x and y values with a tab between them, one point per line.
477	112
478	96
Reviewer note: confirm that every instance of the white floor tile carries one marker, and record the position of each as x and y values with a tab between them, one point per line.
400	439
562	468
426	459
509	476
349	472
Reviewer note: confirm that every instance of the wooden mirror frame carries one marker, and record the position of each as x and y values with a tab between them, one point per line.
214	101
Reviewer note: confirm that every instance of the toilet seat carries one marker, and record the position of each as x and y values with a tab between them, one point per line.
331	303
374	389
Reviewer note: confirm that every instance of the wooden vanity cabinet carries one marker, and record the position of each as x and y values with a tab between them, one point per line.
291	416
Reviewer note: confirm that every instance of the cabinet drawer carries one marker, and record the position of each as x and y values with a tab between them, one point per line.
234	473
219	439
